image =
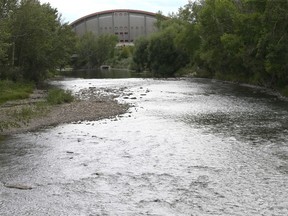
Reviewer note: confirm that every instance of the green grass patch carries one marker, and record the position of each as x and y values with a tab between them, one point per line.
2	138
59	96
13	91
18	116
284	91
22	116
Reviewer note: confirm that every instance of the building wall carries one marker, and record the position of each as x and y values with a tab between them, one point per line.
128	25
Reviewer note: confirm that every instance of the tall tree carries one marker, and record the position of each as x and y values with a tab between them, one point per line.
140	55
215	20
41	41
275	42
165	56
7	7
94	50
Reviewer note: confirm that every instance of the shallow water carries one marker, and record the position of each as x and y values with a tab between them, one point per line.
186	147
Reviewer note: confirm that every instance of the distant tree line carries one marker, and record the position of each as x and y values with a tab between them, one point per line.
237	40
33	40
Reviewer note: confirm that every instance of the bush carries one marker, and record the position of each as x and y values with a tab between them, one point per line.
59	96
284	91
10	90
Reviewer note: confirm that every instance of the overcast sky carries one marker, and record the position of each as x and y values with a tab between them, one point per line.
75	9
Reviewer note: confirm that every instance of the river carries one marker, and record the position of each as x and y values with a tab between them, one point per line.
186	147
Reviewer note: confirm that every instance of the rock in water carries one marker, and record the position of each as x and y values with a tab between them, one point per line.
18	186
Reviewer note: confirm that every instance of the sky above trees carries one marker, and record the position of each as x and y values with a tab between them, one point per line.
72	10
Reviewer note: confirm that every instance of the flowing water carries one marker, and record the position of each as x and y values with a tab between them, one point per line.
186	147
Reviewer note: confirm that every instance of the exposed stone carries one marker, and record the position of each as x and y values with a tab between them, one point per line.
18	186
91	109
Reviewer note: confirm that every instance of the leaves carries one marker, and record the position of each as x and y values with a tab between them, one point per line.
93	51
6	9
164	53
239	40
33	39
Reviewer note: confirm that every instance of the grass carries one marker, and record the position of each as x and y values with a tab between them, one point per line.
284	91
23	114
59	96
13	91
2	138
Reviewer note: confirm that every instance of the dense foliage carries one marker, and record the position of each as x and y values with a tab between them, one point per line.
162	53
33	40
93	51
59	96
238	40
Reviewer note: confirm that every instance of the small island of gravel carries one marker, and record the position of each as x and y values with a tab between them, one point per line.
90	109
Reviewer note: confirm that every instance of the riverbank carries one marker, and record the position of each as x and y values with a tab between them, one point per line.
15	116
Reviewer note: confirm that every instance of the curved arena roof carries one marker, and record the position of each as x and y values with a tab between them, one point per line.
125	23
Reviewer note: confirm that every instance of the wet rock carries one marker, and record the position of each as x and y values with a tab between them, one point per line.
18	186
283	169
96	174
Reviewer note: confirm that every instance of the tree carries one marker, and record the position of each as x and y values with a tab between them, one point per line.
7	7
239	40
140	55
105	47
190	11
164	56
165	52
42	42
4	40
216	18
64	45
274	42
94	50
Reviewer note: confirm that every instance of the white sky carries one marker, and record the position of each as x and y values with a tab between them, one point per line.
72	10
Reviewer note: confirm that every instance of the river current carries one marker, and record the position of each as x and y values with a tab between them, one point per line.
186	147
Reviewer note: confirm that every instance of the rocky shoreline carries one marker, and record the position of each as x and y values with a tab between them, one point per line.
94	108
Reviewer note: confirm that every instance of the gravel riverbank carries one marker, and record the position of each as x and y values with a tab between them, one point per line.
94	108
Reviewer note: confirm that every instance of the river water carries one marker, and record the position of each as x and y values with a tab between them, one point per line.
186	147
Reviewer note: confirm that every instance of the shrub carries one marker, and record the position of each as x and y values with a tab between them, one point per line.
284	91
13	91
59	96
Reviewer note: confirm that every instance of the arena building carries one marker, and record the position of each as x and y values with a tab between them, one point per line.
126	24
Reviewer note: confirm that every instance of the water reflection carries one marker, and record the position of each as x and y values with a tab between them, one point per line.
112	73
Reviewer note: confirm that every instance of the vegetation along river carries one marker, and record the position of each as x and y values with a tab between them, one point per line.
186	147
